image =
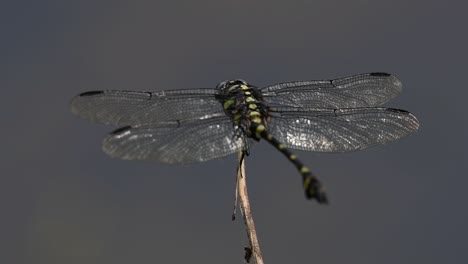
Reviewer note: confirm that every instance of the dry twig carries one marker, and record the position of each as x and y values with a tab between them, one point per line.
254	249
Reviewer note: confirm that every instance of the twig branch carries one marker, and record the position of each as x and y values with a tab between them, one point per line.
254	249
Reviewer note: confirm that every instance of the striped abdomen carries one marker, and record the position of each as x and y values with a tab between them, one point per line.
244	104
312	186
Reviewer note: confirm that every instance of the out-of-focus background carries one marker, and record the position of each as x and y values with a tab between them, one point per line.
62	200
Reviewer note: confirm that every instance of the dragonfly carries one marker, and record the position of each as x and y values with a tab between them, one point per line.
196	125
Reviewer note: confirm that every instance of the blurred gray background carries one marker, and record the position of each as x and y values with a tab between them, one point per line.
62	200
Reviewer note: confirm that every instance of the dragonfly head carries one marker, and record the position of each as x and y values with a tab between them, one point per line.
230	83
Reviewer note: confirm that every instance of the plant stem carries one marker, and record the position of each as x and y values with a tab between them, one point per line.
254	250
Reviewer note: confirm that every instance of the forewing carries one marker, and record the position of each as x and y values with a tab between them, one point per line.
175	142
134	108
363	90
329	130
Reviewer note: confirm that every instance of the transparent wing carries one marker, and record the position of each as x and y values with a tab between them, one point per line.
340	130
134	108
175	142
363	90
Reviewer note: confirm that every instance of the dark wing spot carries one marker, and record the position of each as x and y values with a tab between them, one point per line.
380	74
398	110
91	93
120	130
150	95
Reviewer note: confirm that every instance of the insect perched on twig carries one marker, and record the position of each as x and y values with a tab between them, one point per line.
194	125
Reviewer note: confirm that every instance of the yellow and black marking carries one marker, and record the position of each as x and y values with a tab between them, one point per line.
244	104
312	187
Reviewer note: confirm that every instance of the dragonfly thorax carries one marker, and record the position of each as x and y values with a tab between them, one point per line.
244	104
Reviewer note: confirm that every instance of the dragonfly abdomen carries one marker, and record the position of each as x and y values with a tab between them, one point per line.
245	105
312	187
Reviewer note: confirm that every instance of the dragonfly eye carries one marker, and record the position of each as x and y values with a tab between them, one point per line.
229	83
239	81
221	85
